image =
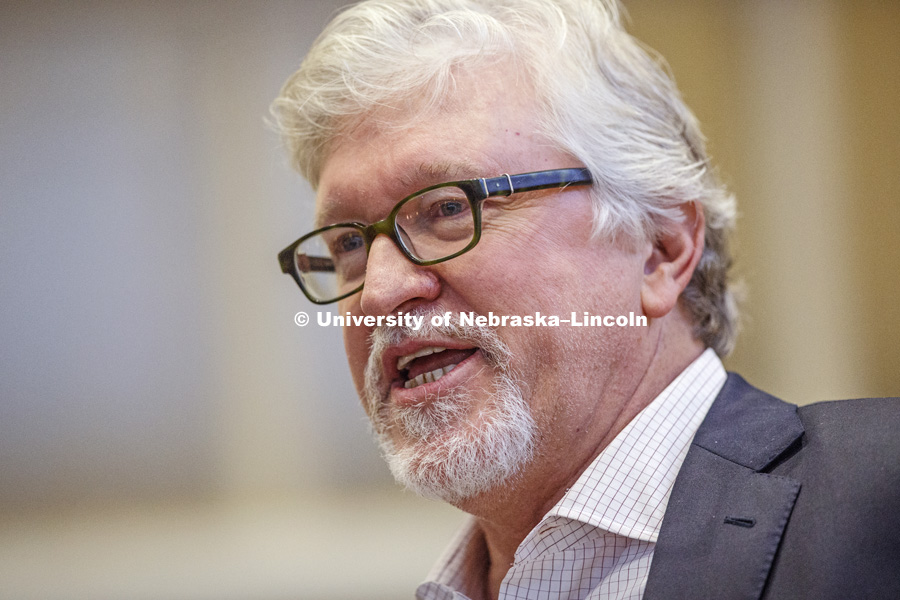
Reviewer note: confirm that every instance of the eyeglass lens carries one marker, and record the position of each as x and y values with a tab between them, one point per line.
431	225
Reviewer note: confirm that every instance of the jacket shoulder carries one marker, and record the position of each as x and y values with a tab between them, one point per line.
848	464
853	431
852	413
848	446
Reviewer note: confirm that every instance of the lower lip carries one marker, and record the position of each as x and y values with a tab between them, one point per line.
422	394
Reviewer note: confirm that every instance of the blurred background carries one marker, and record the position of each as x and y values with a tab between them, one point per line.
167	432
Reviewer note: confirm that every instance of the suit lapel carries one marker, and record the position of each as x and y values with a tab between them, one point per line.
725	518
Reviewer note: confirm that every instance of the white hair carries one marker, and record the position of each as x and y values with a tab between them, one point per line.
601	97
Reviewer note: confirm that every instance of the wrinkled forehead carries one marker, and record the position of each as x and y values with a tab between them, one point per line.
380	160
464	89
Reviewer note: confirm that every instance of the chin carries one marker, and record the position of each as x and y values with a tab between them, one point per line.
451	455
459	436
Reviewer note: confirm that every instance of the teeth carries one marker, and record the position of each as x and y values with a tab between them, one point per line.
405	360
429	377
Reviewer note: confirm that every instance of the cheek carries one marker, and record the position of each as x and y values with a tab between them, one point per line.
356	346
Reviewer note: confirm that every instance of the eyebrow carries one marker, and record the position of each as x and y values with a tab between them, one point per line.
419	177
426	174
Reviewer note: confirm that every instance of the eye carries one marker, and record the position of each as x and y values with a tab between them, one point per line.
347	242
449	208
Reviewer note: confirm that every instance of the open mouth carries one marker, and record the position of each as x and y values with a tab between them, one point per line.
429	364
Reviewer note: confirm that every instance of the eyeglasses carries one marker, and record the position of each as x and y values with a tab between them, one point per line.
431	226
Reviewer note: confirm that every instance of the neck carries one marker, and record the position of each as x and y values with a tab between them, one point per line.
508	514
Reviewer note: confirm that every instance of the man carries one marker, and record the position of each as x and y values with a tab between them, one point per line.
527	158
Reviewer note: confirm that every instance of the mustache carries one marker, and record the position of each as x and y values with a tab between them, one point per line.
495	352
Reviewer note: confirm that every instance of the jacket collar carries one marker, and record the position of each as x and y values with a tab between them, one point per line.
748	426
726	516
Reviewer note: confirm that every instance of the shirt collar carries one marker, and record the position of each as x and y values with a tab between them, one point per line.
626	488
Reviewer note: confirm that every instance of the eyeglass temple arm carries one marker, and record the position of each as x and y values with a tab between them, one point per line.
305	263
505	185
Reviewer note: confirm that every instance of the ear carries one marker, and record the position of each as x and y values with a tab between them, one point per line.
671	261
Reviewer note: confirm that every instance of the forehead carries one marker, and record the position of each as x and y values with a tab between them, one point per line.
375	165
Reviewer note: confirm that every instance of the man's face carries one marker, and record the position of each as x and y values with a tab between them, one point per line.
542	391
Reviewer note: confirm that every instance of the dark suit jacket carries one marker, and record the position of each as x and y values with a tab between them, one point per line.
779	502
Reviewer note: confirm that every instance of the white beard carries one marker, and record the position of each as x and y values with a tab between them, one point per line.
450	452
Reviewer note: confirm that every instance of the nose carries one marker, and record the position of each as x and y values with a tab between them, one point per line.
393	282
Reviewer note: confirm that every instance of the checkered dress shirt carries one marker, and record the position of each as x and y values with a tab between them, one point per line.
598	541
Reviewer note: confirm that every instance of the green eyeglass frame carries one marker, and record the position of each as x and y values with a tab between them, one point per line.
476	191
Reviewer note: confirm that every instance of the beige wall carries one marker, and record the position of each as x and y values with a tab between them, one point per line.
870	68
799	102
